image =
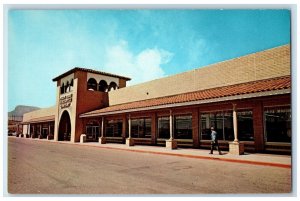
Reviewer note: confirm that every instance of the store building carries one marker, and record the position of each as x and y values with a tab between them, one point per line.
247	100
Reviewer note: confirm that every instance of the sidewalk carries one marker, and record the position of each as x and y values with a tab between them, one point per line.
283	161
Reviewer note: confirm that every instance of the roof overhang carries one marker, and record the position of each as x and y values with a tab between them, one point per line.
89	71
198	102
40	120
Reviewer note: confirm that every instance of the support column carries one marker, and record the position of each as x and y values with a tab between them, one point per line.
18	129
171	125
235	124
28	131
153	128
235	147
23	130
124	128
49	136
82	138
40	136
33	130
102	139
258	126
129	140
195	127
171	143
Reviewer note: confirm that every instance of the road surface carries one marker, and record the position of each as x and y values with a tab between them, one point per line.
41	167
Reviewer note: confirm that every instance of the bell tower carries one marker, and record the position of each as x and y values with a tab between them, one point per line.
81	90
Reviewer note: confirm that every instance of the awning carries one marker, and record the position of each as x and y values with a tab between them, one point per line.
40	120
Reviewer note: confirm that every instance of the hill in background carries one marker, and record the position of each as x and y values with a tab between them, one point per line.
19	110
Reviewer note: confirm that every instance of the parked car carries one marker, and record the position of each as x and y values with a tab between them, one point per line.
11	133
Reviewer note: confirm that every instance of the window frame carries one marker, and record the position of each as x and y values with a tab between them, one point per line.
146	131
175	129
115	126
265	123
158	128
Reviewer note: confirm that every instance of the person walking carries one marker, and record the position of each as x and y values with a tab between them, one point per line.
214	141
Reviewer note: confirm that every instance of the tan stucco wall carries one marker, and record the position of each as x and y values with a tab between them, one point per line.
57	107
71	110
83	101
66	79
86	101
39	113
25	129
262	65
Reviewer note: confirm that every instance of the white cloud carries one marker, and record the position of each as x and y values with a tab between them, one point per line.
142	66
199	50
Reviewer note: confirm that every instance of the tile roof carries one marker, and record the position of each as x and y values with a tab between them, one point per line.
40	119
233	90
43	112
90	71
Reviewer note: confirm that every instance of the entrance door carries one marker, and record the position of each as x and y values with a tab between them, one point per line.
44	132
92	133
64	132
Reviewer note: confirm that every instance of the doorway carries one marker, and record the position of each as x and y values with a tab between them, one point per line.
64	132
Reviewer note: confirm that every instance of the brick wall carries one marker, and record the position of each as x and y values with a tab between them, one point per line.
258	126
262	65
86	101
255	104
122	83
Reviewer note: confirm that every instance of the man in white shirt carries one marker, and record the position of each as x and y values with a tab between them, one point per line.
214	141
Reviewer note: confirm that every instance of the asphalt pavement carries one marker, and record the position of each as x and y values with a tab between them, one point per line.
49	167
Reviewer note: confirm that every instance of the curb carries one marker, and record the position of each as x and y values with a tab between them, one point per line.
200	157
280	165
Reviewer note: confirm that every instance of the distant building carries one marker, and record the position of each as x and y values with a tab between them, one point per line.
15	117
247	100
14	127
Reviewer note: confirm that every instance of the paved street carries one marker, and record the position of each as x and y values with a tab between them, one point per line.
41	167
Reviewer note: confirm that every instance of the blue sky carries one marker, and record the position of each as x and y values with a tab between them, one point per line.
141	44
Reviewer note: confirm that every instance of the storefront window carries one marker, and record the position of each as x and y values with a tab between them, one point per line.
113	128
92	131
205	126
164	127
141	128
245	126
228	133
45	131
183	127
278	124
221	121
51	132
38	130
32	129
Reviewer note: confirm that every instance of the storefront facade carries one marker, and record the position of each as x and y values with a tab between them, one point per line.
247	99
264	125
